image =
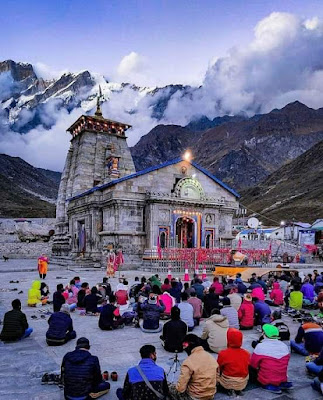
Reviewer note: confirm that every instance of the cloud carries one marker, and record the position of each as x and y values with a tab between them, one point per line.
46	72
134	68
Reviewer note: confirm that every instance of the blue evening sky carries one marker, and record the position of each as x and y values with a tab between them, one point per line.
177	38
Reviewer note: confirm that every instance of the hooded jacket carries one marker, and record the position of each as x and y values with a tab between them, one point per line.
34	295
234	361
308	292
271	358
258	292
215	331
81	373
59	324
198	374
277	295
218	287
245	314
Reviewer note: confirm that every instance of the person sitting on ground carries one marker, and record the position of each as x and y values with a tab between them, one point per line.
214	335
187	312
44	292
318	284
217	285
72	293
34	295
308	292
234	363
284	334
199	288
316	366
155	281
110	317
122	295
211	301
276	296
81	294
15	325
81	373
206	283
60	329
246	313
174	332
166	286
253	282
296	298
105	287
169	302
189	290
242	288
135	387
230	312
258	293
151	314
77	281
197	308
262	284
235	298
198	374
58	298
91	301
262	312
175	291
269	361
309	339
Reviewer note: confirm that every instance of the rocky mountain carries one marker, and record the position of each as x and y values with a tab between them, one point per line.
294	191
26	191
242	151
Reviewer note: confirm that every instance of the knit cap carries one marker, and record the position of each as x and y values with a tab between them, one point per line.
270	331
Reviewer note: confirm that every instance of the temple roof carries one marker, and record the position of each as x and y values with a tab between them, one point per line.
97	119
154	168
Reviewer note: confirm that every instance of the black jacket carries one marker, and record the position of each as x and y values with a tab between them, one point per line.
14	325
58	301
80	298
151	314
173	335
107	316
59	324
81	373
91	302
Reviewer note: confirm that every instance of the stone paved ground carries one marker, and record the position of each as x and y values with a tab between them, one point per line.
23	363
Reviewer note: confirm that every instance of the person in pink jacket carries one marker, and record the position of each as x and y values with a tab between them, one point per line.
259	293
276	296
269	361
246	313
72	291
218	287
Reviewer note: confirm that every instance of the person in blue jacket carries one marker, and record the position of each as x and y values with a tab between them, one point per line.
60	329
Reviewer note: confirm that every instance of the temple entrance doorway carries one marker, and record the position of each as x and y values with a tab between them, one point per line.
185	232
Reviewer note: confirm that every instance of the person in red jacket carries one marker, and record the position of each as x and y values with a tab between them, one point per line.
246	313
234	363
276	296
218	287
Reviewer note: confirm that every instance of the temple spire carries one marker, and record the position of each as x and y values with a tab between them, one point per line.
98	111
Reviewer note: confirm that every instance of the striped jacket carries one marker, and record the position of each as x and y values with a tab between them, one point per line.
312	334
271	358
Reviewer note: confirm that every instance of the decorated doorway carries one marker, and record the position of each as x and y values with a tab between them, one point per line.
185	232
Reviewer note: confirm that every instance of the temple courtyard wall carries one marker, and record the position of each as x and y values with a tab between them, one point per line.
24	362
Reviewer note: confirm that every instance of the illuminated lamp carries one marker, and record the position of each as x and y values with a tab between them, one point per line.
187	156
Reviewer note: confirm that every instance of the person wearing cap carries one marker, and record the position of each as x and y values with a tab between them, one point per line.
81	373
151	314
15	325
198	374
135	387
60	329
309	339
269	361
246	313
174	332
283	329
234	363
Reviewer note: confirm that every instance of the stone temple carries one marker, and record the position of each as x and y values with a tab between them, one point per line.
103	203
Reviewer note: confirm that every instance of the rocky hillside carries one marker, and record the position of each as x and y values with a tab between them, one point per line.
293	191
240	152
26	191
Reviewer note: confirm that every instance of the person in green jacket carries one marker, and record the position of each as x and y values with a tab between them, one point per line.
15	325
296	298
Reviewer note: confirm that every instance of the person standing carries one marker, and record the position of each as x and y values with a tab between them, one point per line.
81	373
198	373
15	325
42	266
145	380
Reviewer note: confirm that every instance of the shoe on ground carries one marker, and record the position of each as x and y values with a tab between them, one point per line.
272	389
44	379
286	386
